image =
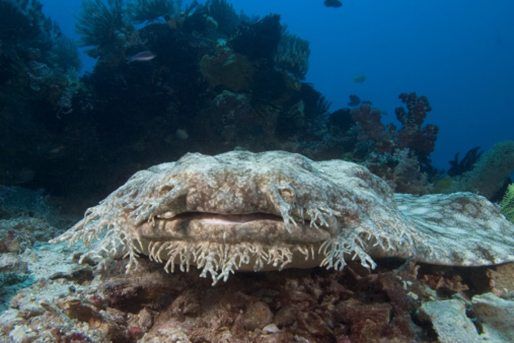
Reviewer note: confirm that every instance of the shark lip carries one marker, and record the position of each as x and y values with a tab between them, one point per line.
223	218
230	228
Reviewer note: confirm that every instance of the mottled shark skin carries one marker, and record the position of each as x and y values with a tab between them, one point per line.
267	211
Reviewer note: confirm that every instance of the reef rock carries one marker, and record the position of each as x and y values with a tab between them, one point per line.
449	320
487	318
68	302
267	211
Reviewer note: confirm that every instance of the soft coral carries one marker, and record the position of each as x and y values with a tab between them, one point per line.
419	139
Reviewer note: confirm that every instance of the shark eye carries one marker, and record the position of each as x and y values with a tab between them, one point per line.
287	194
165	189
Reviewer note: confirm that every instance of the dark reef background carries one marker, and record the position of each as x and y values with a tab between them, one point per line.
218	79
458	53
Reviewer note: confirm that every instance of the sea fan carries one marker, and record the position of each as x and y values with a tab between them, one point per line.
103	27
225	15
293	55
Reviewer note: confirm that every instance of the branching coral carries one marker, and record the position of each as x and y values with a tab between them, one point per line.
419	139
381	146
413	135
104	28
148	10
371	132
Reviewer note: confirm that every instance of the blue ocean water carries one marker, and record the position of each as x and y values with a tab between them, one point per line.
458	53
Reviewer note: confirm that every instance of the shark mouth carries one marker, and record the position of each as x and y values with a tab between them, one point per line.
228	218
219	244
264	228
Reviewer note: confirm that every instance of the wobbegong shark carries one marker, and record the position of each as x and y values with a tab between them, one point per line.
244	211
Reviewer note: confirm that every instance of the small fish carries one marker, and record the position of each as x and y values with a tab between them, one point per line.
56	150
360	78
24	176
172	22
333	3
354	100
181	134
143	56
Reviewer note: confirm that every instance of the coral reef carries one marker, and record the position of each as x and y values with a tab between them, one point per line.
228	69
491	173
38	78
217	80
372	135
400	156
246	211
210	64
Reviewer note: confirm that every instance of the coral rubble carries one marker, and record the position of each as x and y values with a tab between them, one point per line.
70	302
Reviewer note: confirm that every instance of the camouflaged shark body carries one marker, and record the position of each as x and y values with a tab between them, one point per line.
266	211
